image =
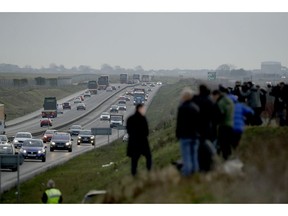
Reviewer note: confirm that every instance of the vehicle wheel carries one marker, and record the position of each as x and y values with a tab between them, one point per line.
51	149
70	150
78	143
93	144
43	159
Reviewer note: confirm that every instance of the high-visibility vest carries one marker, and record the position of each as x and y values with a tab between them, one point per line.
53	195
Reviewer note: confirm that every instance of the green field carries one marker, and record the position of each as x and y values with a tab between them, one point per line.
19	102
263	151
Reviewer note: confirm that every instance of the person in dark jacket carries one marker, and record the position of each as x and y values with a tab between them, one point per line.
207	128
187	131
138	131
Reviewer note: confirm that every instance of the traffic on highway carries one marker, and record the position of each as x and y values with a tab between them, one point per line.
46	145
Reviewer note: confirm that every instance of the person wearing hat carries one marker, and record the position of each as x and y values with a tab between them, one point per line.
52	195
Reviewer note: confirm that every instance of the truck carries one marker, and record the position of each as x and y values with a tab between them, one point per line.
139	96
103	82
116	120
124	78
2	119
92	86
136	78
50	107
146	78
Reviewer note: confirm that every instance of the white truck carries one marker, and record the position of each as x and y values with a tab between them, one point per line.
2	119
116	120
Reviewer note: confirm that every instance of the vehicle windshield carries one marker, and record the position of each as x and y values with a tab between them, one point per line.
3	139
60	137
122	102
32	143
114	106
105	113
6	149
49	132
116	118
76	127
85	132
22	135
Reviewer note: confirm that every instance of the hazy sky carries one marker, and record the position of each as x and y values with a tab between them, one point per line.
152	40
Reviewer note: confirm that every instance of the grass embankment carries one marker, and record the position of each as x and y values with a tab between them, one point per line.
19	102
263	151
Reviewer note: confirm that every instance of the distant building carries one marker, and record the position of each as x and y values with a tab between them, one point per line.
271	67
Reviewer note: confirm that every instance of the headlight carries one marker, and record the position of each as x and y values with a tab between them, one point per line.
92	137
67	143
52	143
45	136
40	151
15	140
24	151
79	137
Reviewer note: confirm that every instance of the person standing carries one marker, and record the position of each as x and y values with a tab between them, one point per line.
52	195
187	132
225	116
138	144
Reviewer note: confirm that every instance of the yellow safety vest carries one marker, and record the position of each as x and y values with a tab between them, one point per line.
53	195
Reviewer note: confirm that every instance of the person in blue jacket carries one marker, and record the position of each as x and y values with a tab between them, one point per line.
241	112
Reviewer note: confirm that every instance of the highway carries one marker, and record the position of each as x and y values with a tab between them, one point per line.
30	168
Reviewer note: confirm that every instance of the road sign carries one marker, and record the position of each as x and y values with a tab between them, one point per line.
211	75
101	131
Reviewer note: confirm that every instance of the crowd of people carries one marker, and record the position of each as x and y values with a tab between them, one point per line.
209	123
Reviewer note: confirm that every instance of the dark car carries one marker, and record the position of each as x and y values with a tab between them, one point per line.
75	129
114	88
45	122
81	106
48	135
85	136
9	157
61	141
33	149
66	105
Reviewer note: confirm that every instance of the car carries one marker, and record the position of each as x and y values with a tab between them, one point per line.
77	100
33	149
159	83
87	94
116	120
127	98
20	137
81	106
105	116
109	89
75	129
60	109
48	135
149	89
125	138
3	139
66	105
61	141
45	122
114	109
113	88
81	97
122	105
85	136
122	97
6	163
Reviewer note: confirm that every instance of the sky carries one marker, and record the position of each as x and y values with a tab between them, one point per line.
153	40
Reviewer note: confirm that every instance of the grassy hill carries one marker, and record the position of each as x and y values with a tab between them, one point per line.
19	102
263	151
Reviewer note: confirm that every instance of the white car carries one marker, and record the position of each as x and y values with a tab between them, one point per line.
77	100
87	94
3	139
105	116
20	137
